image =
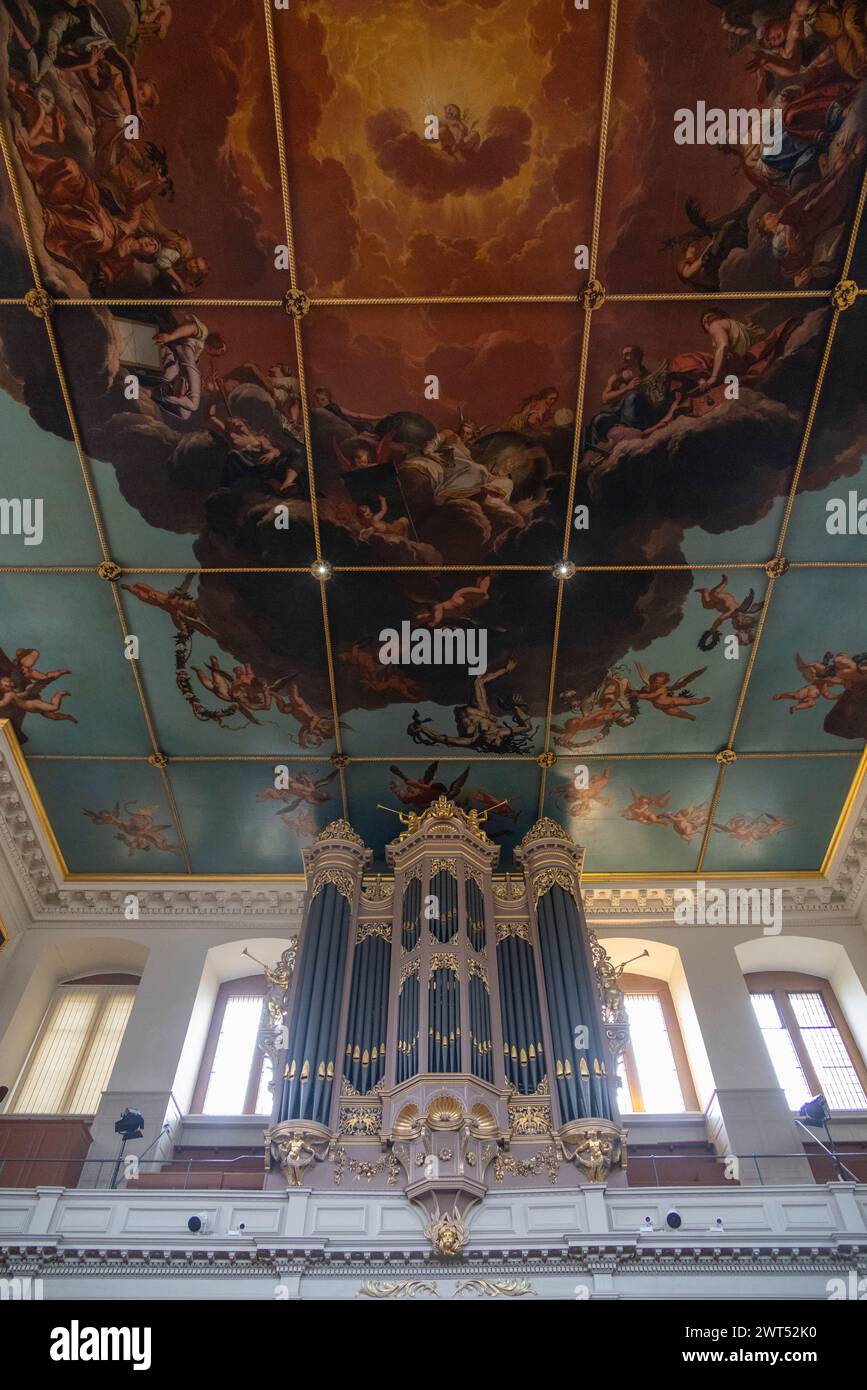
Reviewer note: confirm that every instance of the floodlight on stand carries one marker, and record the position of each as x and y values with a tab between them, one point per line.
816	1114
129	1126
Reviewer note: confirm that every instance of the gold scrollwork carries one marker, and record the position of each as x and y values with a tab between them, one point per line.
530	1119
544	829
507	929
377	890
366	929
545	880
359	1119
444	960
490	1288
340	830
405	1288
411	968
478	970
509	888
341	880
844	294
448	866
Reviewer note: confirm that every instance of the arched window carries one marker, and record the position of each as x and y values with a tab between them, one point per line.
653	1072
76	1047
234	1076
809	1042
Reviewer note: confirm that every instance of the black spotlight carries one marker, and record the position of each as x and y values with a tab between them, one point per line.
130	1125
673	1220
815	1112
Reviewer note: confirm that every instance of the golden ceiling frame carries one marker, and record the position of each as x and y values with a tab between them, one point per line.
296	303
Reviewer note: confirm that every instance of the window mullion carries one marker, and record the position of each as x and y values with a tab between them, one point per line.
787	1013
636	1095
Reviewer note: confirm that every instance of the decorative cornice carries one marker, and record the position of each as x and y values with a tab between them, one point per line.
50	898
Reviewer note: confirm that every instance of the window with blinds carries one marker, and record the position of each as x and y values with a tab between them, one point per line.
810	1046
75	1050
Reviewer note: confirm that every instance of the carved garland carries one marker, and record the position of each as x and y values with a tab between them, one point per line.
344	1164
549	1158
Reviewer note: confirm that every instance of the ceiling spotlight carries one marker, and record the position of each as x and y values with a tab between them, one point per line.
320	569
564	569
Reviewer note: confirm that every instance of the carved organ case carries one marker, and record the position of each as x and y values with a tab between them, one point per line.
447	1031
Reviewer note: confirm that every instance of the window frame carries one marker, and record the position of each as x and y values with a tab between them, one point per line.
649	984
121	979
244	985
780	984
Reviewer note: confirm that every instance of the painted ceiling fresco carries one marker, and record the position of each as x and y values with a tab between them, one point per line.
426	292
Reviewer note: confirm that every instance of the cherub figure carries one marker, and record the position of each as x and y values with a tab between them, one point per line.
155	19
315	728
689	821
749	831
821	677
21	688
646	809
301	789
183	610
462	603
458	137
583	799
421	792
29	702
743	616
136	829
668	696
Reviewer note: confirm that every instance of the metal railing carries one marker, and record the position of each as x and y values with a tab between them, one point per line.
105	1167
738	1165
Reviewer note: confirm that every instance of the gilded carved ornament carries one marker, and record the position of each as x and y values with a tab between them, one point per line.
546	879
544	829
341	880
366	929
340	830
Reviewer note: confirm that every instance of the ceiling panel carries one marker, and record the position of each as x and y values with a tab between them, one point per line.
333	379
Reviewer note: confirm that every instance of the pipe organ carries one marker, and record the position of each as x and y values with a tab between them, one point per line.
446	1030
